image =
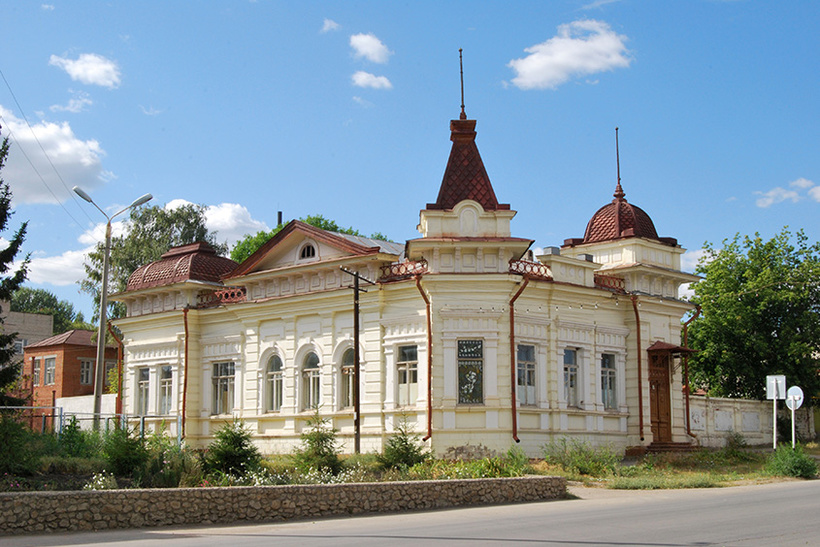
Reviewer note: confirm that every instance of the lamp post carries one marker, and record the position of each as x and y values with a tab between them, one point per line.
100	364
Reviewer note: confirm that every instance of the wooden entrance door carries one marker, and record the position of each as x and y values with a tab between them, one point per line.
660	402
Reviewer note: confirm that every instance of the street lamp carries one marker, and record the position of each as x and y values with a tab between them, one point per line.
100	365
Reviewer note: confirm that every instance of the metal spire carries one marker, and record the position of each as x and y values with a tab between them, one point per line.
619	192
463	115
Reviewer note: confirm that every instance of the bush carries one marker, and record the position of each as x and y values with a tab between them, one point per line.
579	457
403	448
168	464
125	452
76	443
320	449
233	451
17	456
791	462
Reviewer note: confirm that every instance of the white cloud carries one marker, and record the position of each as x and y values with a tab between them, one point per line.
79	162
77	104
776	195
801	183
370	47
362	102
328	25
365	79
598	4
814	193
690	259
686	292
47	7
90	68
230	221
62	270
150	111
580	48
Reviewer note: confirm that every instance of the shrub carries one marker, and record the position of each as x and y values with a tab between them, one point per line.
320	449
101	481
168	464
579	457
125	452
76	443
232	451
403	448
17	456
791	462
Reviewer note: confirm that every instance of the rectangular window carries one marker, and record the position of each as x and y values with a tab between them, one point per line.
526	374
19	345
223	380
35	373
608	377
571	377
51	371
275	387
470	372
166	383
86	370
110	378
142	391
408	375
347	378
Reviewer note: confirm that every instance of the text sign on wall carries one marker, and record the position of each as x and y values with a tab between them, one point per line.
776	387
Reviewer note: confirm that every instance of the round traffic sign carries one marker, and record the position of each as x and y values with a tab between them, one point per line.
794	398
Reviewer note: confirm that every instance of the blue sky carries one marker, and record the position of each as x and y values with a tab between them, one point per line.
343	108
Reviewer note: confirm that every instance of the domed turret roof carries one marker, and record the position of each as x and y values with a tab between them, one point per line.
619	219
193	262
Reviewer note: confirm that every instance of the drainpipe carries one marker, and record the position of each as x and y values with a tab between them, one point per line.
429	361
185	373
118	340
686	369
513	382
634	299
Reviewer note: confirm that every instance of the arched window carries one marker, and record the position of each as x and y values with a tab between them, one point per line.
311	395
274	384
346	379
308	251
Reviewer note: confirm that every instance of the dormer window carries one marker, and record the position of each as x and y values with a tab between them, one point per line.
308	251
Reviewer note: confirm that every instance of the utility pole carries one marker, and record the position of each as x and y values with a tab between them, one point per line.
356	418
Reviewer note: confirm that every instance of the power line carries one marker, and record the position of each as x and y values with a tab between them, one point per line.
25	118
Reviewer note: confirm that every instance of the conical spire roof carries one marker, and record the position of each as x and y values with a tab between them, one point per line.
465	176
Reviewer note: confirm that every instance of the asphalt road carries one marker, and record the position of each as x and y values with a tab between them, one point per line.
782	514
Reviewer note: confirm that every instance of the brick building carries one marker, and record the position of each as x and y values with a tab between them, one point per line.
62	366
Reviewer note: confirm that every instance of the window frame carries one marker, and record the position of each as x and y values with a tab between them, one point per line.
86	372
274	384
347	379
35	370
470	368
223	382
609	381
49	371
526	393
311	382
165	393
571	375
143	387
407	369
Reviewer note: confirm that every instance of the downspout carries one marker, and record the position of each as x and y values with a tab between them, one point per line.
184	372
686	369
118	406
634	299
429	361
513	382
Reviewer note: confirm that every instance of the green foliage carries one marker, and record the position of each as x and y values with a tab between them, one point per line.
760	302
9	368
151	231
77	443
579	457
125	452
16	454
320	449
101	481
403	448
232	451
791	462
168	465
44	302
251	243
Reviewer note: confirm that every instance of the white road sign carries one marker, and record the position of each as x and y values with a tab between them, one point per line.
794	398
776	387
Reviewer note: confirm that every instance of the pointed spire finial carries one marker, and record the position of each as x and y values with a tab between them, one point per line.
619	192
463	115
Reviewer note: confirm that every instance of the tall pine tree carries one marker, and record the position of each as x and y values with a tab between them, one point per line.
10	281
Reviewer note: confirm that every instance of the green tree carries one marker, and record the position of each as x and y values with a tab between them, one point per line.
151	231
41	301
250	243
9	283
761	315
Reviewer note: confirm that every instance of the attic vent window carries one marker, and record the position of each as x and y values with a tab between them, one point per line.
308	251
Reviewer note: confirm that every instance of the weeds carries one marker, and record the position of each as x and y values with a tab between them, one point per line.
791	462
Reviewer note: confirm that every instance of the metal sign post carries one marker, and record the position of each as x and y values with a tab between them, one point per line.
356	291
775	389
794	399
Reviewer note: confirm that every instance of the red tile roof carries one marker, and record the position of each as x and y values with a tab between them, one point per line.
69	338
193	262
465	176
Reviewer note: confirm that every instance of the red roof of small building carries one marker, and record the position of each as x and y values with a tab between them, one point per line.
193	262
74	337
465	176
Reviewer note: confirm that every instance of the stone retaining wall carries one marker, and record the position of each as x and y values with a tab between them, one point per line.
28	512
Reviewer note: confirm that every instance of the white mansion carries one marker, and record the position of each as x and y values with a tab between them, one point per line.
465	334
